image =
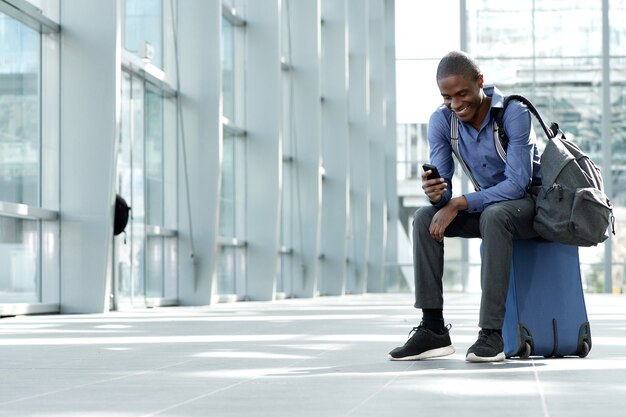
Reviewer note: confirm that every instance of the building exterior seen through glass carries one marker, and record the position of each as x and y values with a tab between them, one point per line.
552	55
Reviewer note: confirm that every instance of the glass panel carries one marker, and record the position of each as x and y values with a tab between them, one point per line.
154	266
144	24
232	169
228	70
154	183
122	270
138	202
141	259
20	104
617	17
618	149
227	198
226	264
579	29
20	275
129	261
491	33
226	270
154	157
618	168
230	271
170	163
170	267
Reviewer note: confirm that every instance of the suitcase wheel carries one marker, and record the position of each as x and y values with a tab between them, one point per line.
525	354
585	350
584	340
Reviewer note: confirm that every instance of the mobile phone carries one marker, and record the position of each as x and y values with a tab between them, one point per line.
434	172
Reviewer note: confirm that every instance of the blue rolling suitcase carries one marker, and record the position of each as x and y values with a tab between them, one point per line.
545	306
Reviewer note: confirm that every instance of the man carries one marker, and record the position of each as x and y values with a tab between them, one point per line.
502	210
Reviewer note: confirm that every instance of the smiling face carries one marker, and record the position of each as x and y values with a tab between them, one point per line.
465	97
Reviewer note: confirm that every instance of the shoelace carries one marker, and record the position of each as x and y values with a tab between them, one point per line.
421	327
414	330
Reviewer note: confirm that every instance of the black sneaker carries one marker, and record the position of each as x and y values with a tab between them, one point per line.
488	348
423	344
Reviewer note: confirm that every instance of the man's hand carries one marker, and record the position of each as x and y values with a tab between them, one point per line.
434	188
444	217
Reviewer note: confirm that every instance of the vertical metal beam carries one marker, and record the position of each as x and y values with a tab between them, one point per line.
335	154
390	140
199	45
376	146
264	146
463	25
465	250
305	110
606	135
358	97
90	97
534	45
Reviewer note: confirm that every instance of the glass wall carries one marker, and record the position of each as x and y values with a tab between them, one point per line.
145	263
21	160
552	55
145	253
154	186
20	279
20	101
129	280
154	157
232	253
138	130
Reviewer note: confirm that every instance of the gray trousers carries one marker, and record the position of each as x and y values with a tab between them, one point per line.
497	225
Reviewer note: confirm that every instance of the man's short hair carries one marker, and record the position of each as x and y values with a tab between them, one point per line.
458	63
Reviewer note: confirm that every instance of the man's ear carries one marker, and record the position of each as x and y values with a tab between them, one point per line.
480	80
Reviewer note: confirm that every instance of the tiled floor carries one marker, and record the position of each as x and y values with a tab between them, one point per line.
323	357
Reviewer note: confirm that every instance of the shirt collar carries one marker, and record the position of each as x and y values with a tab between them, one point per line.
497	98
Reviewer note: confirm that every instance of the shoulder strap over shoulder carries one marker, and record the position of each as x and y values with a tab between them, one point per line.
551	131
500	138
454	139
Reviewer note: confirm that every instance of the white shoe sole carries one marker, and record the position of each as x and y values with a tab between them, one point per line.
433	353
471	357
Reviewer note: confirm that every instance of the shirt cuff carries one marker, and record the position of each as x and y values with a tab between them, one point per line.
474	202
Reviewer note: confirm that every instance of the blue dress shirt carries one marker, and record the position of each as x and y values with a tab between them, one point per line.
499	181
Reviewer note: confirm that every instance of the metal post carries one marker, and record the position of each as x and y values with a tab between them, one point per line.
465	270
606	135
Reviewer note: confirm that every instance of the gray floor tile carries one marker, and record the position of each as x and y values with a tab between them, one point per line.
321	357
